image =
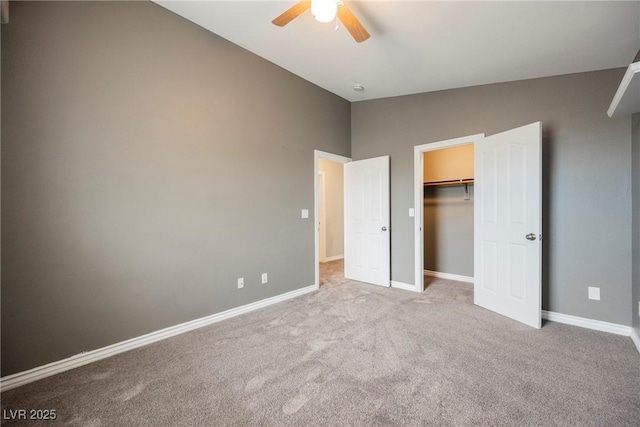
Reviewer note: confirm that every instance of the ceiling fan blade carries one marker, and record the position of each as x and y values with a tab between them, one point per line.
352	24
292	13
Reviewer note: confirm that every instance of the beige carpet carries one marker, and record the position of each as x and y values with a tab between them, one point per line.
356	354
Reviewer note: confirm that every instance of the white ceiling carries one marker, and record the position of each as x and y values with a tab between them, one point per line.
423	46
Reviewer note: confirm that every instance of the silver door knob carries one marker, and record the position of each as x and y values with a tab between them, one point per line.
530	236
384	228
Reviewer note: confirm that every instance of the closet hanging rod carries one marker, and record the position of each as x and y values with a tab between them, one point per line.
461	181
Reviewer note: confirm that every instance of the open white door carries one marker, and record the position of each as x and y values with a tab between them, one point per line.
367	249
508	224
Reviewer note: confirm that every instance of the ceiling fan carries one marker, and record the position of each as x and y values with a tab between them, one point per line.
325	11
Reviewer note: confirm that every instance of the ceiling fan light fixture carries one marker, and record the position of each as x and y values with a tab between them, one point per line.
324	10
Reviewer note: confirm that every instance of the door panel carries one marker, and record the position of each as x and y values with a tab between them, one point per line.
367	241
508	197
489	176
489	266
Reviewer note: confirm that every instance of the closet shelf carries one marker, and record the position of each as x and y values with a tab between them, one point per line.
462	181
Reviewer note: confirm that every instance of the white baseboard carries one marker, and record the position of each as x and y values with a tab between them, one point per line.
449	276
333	258
635	338
21	378
403	286
596	325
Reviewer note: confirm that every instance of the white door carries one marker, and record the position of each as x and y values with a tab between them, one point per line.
367	248
508	223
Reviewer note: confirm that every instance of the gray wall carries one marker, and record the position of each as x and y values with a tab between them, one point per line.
448	230
586	175
146	164
636	220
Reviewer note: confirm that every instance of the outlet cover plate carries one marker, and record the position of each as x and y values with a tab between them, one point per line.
240	282
594	293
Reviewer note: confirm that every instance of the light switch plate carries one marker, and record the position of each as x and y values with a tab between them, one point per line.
412	212
305	213
594	293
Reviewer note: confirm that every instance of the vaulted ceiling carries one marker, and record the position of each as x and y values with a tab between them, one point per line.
423	46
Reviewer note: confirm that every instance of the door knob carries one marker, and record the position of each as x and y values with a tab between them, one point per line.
531	236
384	228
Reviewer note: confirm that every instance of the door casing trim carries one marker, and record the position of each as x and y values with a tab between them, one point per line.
418	192
317	155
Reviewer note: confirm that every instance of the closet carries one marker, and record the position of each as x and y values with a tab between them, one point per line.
448	211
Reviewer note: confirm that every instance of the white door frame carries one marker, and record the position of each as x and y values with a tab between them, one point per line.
317	155
418	151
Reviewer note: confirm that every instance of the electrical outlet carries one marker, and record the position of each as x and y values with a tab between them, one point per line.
304	213
264	278
240	282
594	293
412	212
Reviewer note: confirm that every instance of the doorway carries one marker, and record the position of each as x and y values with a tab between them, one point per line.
329	215
448	209
437	180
